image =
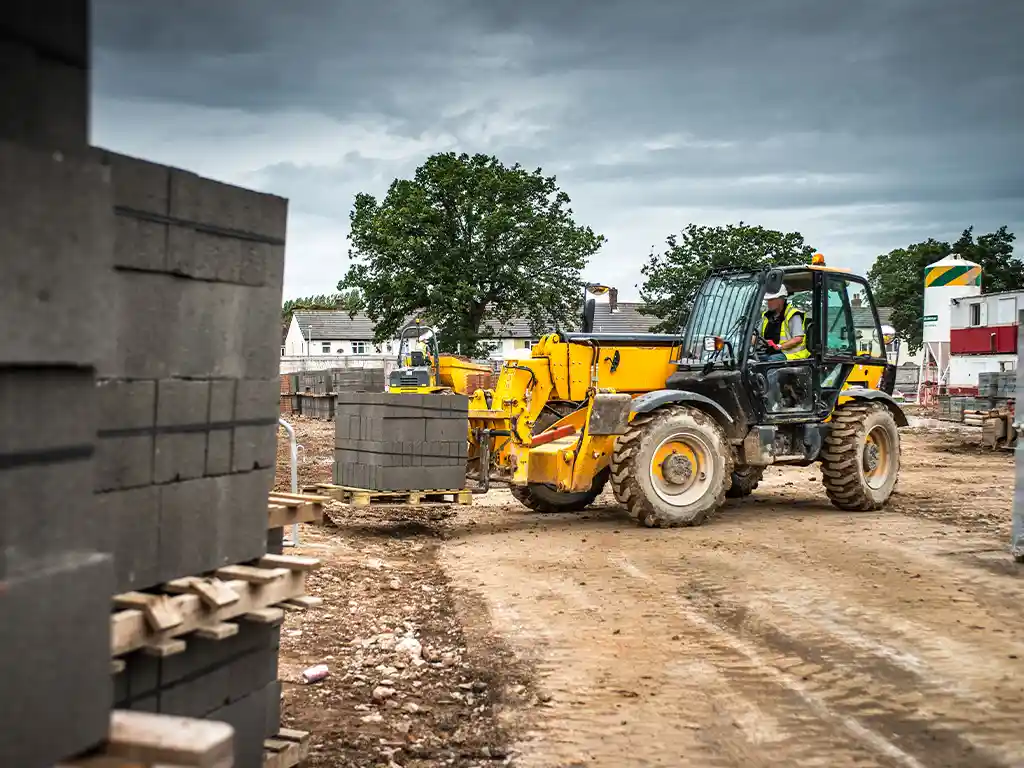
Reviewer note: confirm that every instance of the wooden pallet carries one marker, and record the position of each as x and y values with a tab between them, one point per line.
147	740
205	605
363	497
286	750
284	509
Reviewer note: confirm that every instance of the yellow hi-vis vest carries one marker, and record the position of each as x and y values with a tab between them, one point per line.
796	353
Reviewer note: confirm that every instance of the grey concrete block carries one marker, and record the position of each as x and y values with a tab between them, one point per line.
222	401
243	534
179	456
209	256
257	399
140	244
55	660
182	402
205	201
254	448
218	451
55	290
262	328
202	656
44	102
273	724
143	673
59	28
124	462
126	404
275	541
46	409
446	429
140	185
145	704
131	520
191	526
248	717
146	307
404	429
46	509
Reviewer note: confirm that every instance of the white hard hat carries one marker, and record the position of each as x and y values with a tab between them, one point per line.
779	294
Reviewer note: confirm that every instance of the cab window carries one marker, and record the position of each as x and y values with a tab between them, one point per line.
851	330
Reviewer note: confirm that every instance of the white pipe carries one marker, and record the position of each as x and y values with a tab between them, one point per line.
295	476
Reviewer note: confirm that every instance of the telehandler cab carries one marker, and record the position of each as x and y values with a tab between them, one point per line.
677	422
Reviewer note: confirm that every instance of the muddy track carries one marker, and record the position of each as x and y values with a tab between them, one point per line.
780	634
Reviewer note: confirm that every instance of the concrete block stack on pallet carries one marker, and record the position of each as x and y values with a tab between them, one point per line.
188	415
401	442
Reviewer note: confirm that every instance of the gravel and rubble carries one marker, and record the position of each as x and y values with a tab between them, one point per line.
416	678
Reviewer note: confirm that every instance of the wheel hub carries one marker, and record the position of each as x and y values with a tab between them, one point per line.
677	469
871	457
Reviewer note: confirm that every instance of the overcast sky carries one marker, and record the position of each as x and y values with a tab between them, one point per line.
865	125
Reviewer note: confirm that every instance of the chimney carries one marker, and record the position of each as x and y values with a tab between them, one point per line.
856	301
613	299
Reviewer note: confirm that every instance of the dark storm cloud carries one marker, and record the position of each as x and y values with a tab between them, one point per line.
866	125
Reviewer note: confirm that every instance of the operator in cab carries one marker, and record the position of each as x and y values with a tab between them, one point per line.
782	327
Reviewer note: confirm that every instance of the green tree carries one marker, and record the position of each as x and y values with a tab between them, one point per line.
671	278
897	277
348	300
465	237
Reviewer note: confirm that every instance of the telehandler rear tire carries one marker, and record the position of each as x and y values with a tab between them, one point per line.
744	482
544	498
672	467
860	462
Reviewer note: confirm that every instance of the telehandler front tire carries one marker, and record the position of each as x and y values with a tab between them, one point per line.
544	498
860	462
672	467
744	482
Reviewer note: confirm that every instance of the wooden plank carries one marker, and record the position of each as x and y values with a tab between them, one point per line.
265	616
183	741
251	573
221	631
279	516
130	632
159	611
304	602
300	497
213	592
164	648
291	562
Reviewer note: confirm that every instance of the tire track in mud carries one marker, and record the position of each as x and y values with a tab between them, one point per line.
940	701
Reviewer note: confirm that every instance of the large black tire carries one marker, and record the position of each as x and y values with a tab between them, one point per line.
744	482
860	463
544	498
685	495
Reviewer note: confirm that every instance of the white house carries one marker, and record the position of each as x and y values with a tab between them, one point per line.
332	333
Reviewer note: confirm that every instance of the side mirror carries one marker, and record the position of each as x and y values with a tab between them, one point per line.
587	326
773	282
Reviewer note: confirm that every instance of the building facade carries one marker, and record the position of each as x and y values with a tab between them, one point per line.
983	335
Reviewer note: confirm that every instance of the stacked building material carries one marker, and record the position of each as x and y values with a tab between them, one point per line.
188	410
401	442
357	379
56	237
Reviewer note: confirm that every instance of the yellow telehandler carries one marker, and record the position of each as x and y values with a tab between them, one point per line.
678	422
424	370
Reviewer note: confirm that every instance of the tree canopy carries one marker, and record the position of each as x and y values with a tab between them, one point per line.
671	278
348	300
897	277
465	237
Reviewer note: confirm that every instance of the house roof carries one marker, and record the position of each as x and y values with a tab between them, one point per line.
333	325
626	319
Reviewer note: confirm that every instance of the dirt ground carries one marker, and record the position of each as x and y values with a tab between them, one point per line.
782	632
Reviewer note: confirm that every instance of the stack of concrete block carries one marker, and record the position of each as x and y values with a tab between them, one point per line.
315	382
56	237
401	442
234	680
188	400
317	406
358	380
